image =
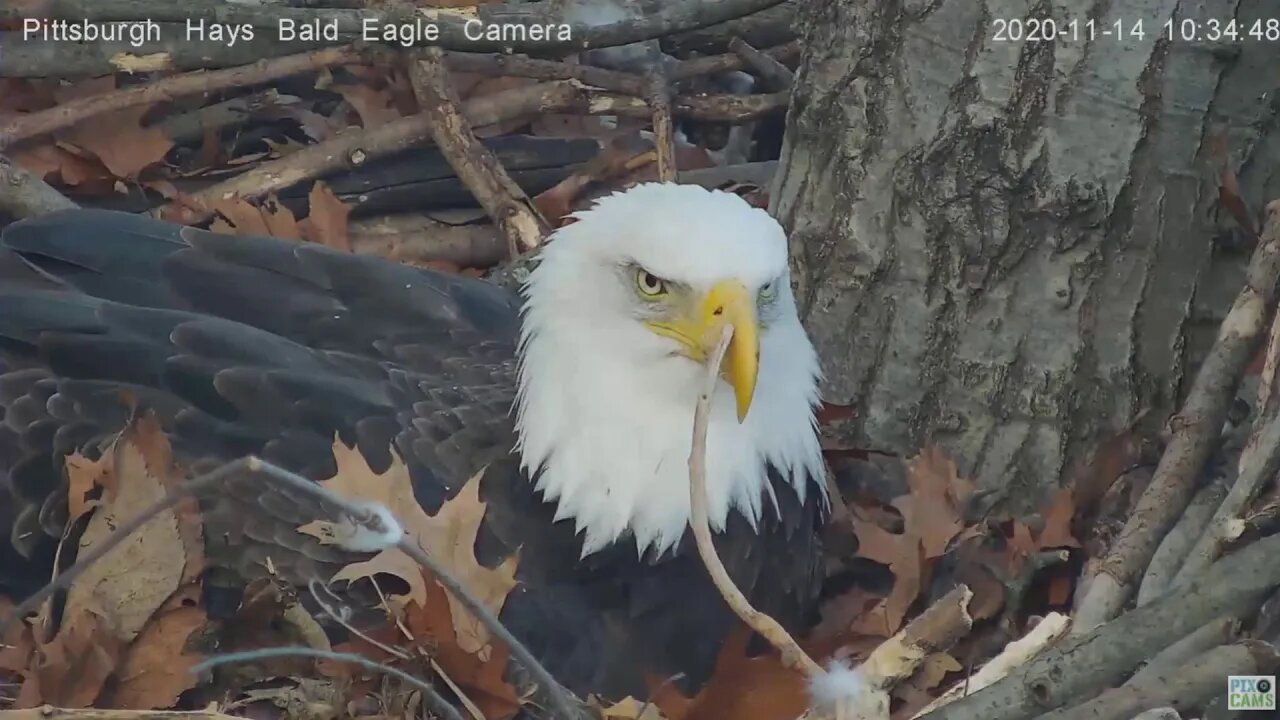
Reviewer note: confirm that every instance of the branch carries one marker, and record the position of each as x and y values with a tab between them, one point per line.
1194	430
792	655
1085	665
357	146
1177	544
495	65
664	142
1190	685
773	74
1016	654
524	20
1216	632
511	210
419	238
23	194
69	113
1228	523
434	702
695	67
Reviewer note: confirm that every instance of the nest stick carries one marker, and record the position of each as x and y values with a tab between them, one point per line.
768	628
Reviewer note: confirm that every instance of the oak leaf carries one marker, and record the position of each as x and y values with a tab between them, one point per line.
449	536
120	141
326	222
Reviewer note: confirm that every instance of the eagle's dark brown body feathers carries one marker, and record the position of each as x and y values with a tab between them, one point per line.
246	345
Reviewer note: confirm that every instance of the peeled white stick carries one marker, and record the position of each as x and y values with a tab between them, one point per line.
1015	655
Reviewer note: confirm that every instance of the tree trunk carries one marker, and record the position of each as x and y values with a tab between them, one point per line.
1014	249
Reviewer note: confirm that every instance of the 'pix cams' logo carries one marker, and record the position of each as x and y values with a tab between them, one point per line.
1251	692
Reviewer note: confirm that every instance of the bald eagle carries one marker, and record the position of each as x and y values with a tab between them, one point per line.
576	398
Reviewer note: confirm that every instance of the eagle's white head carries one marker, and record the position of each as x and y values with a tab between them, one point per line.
620	314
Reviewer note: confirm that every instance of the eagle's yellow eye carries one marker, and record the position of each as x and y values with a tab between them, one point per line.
650	285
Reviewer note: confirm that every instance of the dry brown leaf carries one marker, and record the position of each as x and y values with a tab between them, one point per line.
239	217
120	141
740	688
1057	522
935	668
132	581
902	553
326	222
933	509
374	106
156	668
83	476
72	669
430	625
449	536
71	170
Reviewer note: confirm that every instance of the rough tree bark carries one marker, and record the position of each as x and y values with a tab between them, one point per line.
1007	248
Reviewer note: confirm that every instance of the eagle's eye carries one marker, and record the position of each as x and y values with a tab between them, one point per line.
650	286
769	292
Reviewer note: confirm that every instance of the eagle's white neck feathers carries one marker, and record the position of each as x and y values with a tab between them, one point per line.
605	411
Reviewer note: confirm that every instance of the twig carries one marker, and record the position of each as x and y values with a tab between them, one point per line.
511	210
1177	544
496	65
527	20
342	620
69	113
768	628
695	67
436	703
356	147
1085	665
773	74
1194	430
1228	523
664	142
719	108
1191	684
23	194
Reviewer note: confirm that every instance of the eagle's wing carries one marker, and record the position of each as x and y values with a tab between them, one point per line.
244	345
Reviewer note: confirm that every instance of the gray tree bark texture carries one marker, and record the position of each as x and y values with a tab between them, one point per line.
1013	249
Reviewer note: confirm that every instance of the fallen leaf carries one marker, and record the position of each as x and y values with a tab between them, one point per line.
902	553
132	581
120	141
375	107
73	668
239	217
449	536
156	668
83	477
1057	522
741	688
933	508
326	222
71	170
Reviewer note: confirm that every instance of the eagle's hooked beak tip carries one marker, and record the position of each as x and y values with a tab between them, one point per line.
729	303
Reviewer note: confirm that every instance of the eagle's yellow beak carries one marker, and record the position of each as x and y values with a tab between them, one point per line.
698	331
